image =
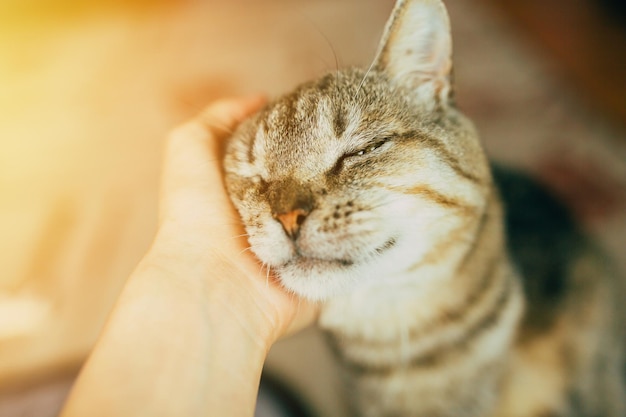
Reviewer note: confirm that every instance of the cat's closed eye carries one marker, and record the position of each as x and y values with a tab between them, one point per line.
368	149
354	156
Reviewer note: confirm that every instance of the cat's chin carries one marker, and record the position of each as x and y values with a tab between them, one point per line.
317	279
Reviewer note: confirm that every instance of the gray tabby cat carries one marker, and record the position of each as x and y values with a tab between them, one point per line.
369	191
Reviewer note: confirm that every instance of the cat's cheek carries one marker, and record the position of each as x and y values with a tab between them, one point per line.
270	245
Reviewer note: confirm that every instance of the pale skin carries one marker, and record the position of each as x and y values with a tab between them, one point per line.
190	332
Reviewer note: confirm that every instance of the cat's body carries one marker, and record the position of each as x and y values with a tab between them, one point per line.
369	191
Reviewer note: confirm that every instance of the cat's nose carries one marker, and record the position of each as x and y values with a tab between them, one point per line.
292	221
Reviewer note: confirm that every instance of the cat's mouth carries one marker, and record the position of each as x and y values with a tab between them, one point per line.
308	262
318	277
305	261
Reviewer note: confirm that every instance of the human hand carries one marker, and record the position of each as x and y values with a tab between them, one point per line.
201	241
191	329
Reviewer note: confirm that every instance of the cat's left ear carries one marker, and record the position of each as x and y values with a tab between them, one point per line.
416	48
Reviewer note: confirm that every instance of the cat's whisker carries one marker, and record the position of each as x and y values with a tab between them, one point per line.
240	236
249	248
236	221
363	80
266	267
326	39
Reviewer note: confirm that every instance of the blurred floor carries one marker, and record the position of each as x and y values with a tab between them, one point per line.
586	42
88	93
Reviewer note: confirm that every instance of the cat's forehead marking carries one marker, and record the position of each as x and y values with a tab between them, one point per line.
302	135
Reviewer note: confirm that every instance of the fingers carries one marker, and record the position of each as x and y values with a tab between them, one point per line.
193	202
197	217
214	123
224	115
192	158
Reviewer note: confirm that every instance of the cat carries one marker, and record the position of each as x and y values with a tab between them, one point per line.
448	286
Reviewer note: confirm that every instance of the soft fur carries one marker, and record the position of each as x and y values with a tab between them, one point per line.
369	191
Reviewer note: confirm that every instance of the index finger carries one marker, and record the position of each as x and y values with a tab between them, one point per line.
224	115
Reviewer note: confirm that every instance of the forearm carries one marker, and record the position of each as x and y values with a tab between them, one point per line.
191	329
173	348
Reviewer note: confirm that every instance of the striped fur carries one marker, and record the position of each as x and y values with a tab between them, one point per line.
369	191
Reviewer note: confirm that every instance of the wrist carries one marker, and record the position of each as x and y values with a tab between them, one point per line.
221	288
162	326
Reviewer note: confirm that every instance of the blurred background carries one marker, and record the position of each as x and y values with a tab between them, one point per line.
88	90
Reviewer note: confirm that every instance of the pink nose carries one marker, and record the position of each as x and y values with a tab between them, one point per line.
292	221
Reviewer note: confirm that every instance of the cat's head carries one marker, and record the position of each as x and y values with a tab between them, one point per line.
357	176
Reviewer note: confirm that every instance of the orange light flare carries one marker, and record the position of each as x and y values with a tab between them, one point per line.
75	182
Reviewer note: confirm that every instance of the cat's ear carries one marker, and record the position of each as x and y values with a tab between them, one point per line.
416	48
